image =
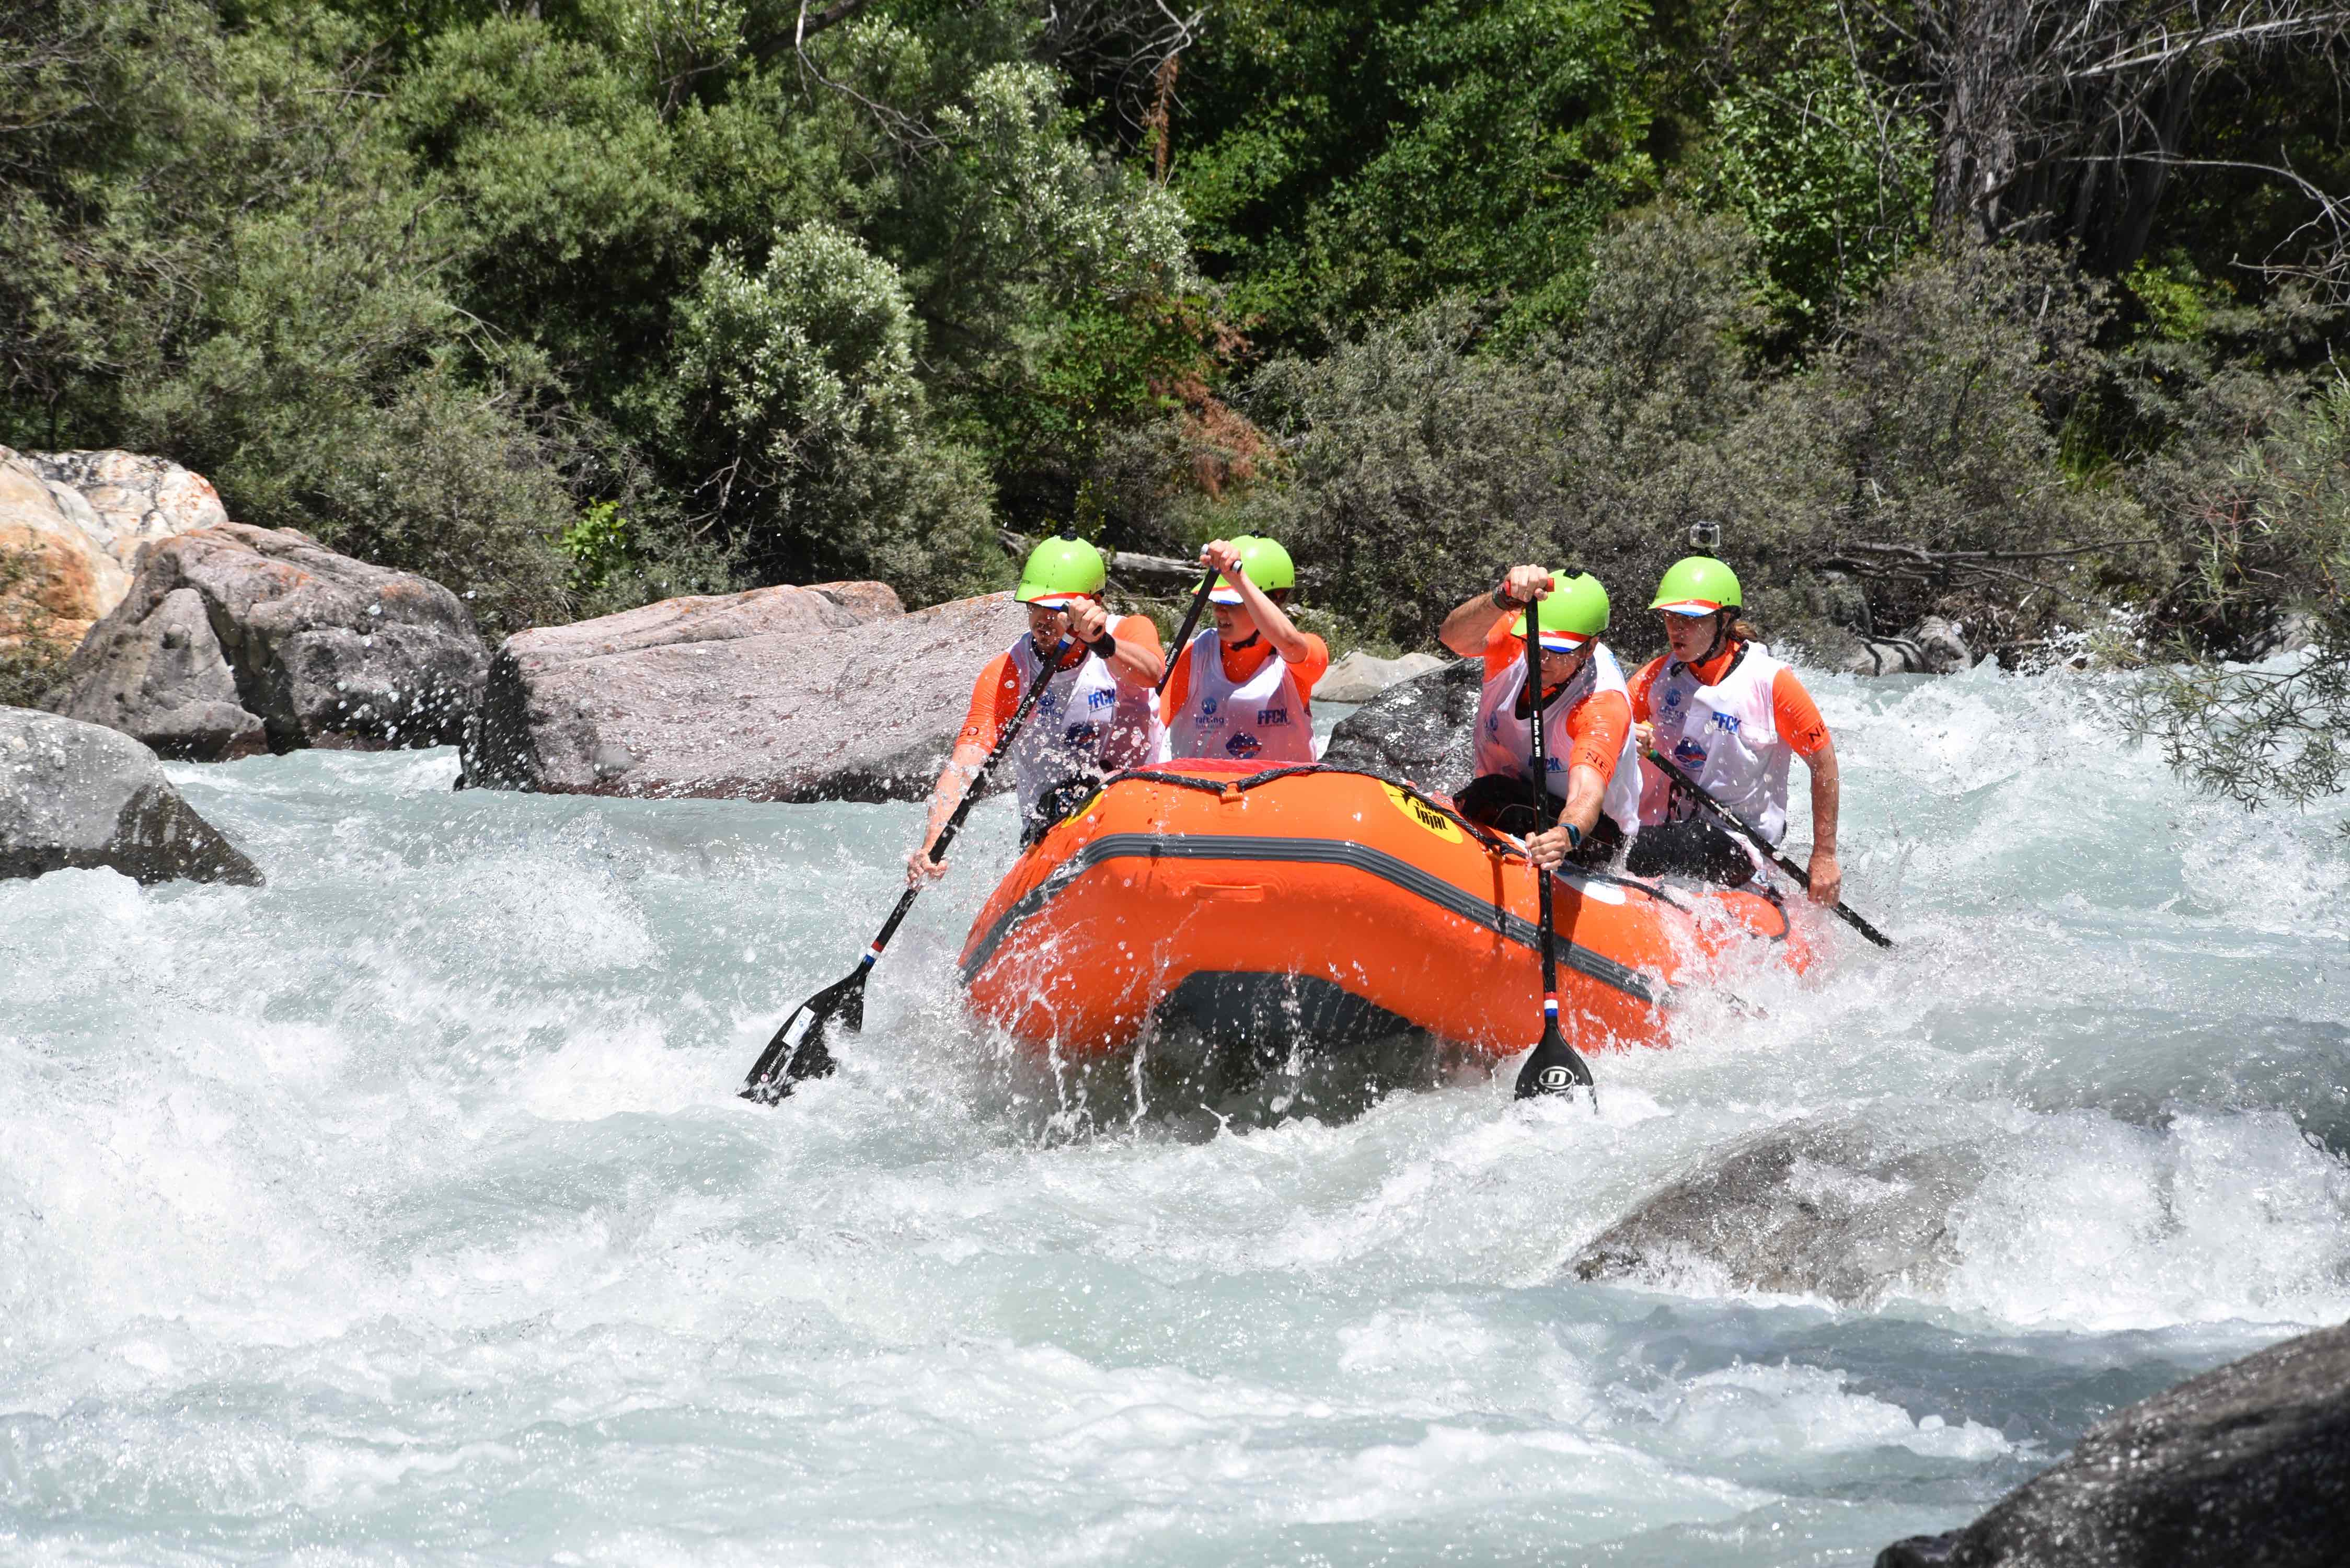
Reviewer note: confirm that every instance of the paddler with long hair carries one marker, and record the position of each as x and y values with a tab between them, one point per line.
1243	690
1730	716
1586	716
1097	714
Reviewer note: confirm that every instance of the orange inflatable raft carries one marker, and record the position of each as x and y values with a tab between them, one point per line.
1337	905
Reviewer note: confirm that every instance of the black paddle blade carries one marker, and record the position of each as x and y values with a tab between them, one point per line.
772	1079
1555	1068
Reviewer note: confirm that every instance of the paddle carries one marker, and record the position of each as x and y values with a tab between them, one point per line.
1555	1067
773	1076
1728	819
1183	638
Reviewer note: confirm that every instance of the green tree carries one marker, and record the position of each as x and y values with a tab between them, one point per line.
794	391
1340	160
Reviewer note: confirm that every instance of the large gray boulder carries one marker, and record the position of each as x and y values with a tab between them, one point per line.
1420	730
77	795
1360	676
1843	1210
235	639
830	693
2246	1467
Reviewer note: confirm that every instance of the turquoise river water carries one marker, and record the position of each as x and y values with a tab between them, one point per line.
402	1211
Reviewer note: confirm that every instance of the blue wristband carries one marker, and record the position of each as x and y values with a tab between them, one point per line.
1574	836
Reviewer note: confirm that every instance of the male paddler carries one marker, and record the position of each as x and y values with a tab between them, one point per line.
1730	716
1586	717
1242	690
1096	714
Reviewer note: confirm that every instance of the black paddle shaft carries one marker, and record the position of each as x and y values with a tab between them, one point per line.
1183	638
1730	819
846	997
1555	1067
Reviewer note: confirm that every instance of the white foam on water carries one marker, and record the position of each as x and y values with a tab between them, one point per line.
401	1211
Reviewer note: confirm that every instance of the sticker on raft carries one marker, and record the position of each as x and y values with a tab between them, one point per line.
1427	815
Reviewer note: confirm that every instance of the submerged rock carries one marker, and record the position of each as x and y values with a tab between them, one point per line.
2247	1464
1360	676
235	639
830	693
1421	729
1834	1209
80	796
1932	647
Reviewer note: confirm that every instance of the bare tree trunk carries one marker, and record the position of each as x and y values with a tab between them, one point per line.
1981	44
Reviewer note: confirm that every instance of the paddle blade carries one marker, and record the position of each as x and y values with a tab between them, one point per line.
785	1063
1555	1067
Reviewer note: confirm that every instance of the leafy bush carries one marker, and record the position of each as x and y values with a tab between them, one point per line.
793	389
2272	545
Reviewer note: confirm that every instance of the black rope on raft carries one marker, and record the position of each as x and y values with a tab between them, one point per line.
1494	842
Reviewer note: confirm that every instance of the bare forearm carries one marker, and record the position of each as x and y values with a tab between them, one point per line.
1585	790
1271	619
954	782
1137	664
1465	631
1827	795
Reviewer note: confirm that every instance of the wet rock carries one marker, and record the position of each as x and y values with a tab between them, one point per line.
1419	730
80	796
73	523
2247	1464
1834	1209
318	649
829	692
1360	676
1932	647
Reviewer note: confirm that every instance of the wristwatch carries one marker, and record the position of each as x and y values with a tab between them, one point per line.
1104	647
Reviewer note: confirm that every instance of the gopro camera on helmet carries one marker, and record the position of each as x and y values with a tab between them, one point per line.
1705	536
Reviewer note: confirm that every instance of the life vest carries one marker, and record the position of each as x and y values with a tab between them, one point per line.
1261	719
1505	742
1085	725
1725	737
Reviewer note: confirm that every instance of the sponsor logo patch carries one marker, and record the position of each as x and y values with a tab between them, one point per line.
1424	814
1688	753
1727	723
1243	745
1272	715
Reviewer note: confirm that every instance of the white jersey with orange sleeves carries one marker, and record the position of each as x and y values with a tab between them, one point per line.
1088	724
1505	742
1261	719
1726	737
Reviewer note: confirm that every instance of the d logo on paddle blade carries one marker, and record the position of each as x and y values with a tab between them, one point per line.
1555	1080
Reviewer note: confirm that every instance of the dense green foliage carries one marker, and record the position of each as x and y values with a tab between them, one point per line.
573	304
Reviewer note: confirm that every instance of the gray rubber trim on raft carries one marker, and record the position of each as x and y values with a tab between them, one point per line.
1478	912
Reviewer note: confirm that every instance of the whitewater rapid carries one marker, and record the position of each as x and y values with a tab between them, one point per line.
401	1211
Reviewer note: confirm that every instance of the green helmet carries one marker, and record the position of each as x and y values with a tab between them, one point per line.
1696	585
1059	570
1263	562
1574	613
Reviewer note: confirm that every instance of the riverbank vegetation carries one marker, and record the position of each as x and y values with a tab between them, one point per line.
1994	310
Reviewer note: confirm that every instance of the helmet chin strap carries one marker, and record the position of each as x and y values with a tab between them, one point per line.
1721	621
